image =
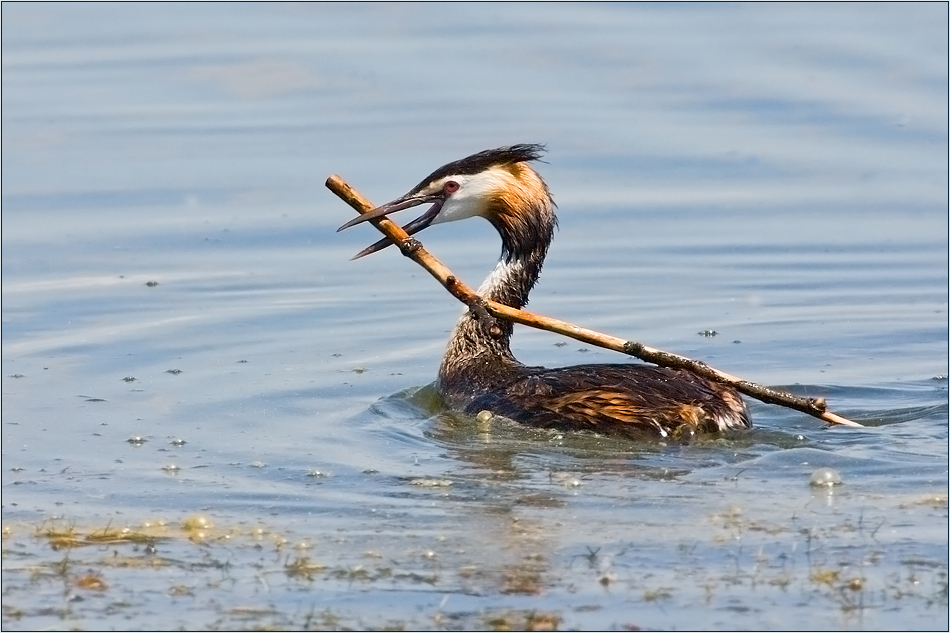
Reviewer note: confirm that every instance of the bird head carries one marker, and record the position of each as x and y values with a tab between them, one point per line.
496	184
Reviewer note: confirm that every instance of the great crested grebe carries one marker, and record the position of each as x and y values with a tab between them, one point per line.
479	371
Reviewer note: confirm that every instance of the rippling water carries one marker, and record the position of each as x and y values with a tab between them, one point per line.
170	271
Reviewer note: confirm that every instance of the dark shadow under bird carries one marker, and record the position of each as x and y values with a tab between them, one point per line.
479	372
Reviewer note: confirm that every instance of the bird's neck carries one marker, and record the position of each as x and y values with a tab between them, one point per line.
479	355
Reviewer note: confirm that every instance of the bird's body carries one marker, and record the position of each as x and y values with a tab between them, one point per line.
479	372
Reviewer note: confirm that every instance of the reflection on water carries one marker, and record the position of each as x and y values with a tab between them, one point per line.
775	173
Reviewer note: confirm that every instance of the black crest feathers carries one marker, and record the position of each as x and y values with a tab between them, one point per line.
477	163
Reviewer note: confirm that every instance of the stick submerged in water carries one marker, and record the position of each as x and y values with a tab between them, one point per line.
412	248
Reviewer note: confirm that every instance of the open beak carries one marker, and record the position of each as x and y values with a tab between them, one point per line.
398	204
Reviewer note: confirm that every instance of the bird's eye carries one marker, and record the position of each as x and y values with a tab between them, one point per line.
450	187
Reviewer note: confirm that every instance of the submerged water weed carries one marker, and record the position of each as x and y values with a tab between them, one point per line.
60	537
304	568
91	582
843	561
201	562
522	621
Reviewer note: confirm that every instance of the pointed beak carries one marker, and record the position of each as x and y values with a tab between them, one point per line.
398	204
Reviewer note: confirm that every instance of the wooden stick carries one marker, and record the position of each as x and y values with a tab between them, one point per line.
413	249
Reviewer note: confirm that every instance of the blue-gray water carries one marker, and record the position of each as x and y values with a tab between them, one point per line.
776	173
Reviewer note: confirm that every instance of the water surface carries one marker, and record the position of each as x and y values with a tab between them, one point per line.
171	271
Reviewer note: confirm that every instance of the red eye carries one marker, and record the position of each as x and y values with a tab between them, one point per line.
450	187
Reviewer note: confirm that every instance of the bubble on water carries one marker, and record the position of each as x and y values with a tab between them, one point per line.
483	421
424	482
825	478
